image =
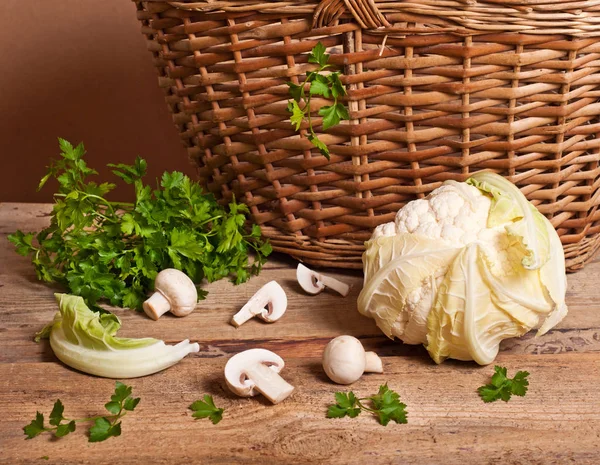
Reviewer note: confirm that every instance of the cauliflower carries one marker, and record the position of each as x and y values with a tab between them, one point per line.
477	243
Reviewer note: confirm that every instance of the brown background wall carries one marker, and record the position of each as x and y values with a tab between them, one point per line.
78	69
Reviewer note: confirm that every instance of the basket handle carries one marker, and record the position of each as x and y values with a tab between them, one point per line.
365	12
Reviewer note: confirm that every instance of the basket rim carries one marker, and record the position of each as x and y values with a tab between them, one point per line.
575	18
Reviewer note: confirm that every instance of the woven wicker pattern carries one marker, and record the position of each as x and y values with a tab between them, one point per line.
438	91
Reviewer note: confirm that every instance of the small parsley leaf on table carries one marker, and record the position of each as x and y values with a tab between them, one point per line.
502	387
346	404
386	406
103	428
36	426
206	409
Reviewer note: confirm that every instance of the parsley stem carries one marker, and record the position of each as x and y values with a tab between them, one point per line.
362	406
114	417
102	199
210	219
105	218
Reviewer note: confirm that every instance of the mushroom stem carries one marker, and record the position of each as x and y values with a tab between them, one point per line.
245	314
156	306
268	382
332	283
373	363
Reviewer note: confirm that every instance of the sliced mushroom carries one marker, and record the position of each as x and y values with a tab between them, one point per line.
174	292
269	304
313	282
257	371
345	360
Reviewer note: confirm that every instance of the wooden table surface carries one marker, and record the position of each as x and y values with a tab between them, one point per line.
557	422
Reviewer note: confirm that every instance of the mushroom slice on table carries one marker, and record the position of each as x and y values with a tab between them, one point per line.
257	371
174	292
313	282
269	304
345	360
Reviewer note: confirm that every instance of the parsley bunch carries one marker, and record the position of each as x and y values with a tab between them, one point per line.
104	427
100	249
503	387
386	405
327	86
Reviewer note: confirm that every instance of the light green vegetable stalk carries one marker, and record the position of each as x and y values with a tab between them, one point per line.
87	341
463	269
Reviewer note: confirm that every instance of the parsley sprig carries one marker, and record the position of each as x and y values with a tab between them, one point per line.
502	387
386	406
104	427
326	85
206	409
101	249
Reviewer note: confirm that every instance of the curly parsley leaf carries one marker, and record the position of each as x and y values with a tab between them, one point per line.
319	144
206	409
386	406
346	404
320	86
502	387
64	429
56	416
105	250
36	426
297	114
103	428
318	55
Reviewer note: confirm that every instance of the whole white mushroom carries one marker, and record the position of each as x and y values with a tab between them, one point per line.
174	292
345	360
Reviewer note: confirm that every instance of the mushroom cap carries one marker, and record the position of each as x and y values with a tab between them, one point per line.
308	279
178	289
269	303
235	376
344	359
276	301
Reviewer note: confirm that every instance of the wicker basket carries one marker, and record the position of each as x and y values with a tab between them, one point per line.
437	89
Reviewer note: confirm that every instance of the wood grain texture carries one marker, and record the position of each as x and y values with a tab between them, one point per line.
557	422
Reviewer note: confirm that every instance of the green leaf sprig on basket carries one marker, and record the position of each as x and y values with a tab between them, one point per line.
100	249
105	426
503	387
386	406
326	85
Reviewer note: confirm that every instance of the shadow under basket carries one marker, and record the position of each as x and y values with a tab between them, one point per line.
434	92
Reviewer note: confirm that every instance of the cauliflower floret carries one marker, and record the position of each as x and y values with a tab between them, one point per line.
453	214
384	230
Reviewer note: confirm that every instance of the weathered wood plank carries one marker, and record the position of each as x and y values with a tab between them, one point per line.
557	422
307	326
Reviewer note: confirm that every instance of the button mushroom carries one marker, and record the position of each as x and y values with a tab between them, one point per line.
345	360
174	292
256	371
269	304
313	282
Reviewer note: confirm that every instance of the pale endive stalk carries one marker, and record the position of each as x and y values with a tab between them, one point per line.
85	340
